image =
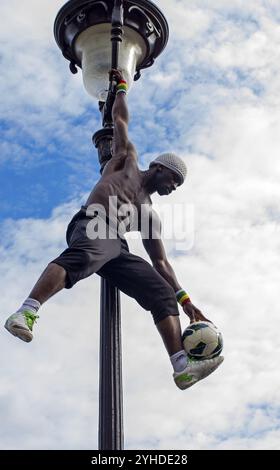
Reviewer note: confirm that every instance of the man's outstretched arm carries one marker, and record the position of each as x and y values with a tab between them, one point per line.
157	254
156	251
120	119
122	147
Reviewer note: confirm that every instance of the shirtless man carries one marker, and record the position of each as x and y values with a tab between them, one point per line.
155	287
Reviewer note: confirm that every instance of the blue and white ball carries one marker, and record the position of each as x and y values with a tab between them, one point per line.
202	340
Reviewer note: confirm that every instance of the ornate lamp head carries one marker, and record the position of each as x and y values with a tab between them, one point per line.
83	32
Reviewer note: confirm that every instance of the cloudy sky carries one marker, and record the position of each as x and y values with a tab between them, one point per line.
214	98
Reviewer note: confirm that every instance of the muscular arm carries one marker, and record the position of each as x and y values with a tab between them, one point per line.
122	147
120	119
123	152
156	251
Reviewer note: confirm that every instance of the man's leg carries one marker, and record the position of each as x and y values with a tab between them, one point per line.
186	372
138	279
170	331
83	258
49	283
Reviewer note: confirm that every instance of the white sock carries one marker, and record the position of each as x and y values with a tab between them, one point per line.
31	305
179	361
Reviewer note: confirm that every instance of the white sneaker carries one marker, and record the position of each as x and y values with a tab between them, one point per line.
195	371
21	325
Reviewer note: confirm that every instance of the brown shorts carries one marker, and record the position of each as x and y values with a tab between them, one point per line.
111	259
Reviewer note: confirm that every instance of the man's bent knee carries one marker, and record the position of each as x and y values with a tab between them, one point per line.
165	305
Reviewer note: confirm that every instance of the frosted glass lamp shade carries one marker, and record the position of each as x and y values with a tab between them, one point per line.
93	47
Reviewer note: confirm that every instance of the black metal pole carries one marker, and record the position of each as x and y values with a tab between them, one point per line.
116	39
111	435
110	390
117	32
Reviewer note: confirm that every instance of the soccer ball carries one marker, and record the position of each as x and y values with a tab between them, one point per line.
202	340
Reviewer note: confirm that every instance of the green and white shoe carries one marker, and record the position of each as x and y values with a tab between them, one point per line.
195	371
21	324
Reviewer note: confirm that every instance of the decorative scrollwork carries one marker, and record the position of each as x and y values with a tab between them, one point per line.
73	67
69	19
137	75
151	28
103	4
81	16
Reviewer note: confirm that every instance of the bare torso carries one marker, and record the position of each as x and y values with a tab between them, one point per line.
122	182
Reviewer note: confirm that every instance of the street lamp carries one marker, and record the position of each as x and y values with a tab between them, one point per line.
97	35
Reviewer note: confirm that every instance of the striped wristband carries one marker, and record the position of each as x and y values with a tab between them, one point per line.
182	297
122	87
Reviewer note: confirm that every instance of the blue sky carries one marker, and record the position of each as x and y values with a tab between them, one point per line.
214	98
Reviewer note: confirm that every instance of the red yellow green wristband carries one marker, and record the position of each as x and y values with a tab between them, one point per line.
122	87
182	297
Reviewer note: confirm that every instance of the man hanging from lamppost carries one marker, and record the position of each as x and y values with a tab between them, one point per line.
124	189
